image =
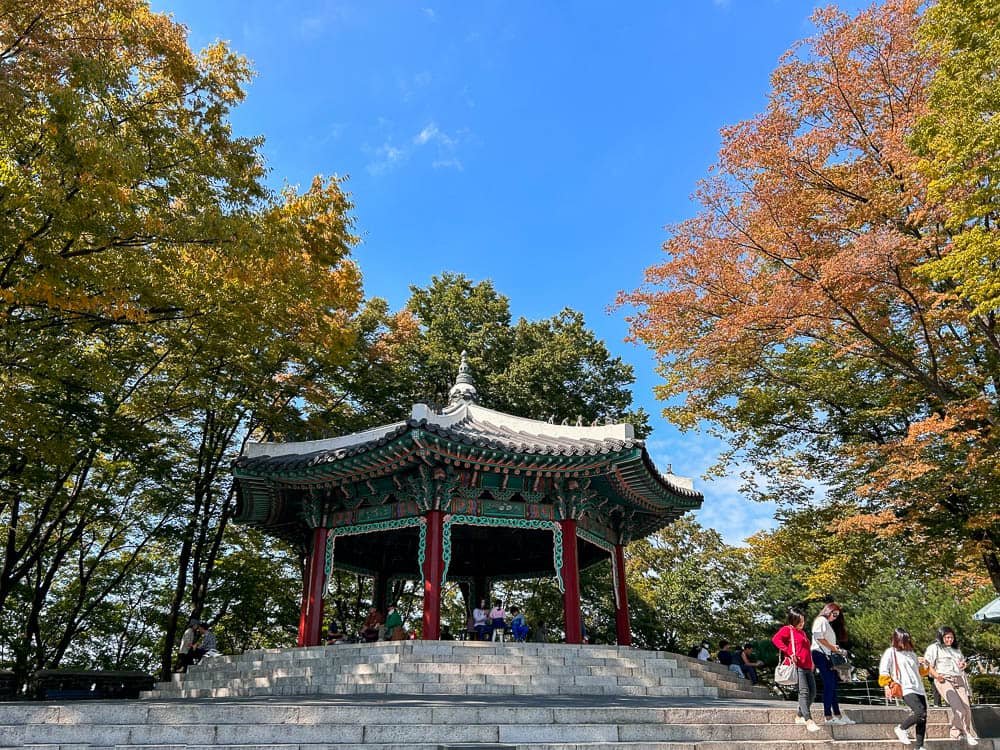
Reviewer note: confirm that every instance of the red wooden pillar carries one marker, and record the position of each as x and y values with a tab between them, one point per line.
304	612
317	580
622	626
433	568
571	583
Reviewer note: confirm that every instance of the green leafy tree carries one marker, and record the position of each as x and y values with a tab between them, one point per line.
686	584
554	367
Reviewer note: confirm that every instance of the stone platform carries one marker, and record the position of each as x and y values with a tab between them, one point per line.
450	696
456	668
383	722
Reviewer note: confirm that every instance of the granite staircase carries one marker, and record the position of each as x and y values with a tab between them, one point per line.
456	668
450	696
373	722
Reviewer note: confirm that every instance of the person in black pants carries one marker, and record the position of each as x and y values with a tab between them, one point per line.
901	665
824	646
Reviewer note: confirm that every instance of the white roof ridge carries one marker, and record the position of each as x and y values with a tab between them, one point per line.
545	432
254	450
678	481
620	431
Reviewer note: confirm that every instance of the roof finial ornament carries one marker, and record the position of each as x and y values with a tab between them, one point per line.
464	389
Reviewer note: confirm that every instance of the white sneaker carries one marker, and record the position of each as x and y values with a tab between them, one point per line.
845	719
901	735
834	720
812	726
799	720
971	740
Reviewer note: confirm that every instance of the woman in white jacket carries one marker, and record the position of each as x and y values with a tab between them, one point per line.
901	664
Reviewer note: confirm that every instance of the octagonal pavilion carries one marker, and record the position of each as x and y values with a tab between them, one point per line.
465	493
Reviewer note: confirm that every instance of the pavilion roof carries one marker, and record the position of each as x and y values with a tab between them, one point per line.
470	435
468	425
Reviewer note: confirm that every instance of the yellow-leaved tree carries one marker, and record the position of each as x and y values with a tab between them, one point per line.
157	301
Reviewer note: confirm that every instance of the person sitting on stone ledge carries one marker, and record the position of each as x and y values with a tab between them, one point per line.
479	617
370	627
498	620
726	658
518	625
334	634
749	664
394	625
469	632
539	634
207	645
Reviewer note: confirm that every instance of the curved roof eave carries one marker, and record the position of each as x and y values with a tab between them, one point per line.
468	425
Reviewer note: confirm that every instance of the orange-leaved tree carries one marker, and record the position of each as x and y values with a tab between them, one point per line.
791	313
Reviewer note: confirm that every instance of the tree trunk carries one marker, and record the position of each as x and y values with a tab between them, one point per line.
992	562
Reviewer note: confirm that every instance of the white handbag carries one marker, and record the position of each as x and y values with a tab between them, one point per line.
786	672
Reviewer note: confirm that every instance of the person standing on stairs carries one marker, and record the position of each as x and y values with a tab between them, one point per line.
186	650
947	669
900	664
824	645
793	642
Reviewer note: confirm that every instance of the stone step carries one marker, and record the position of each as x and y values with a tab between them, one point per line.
402	722
435	668
534	662
814	744
400	709
437	689
422	676
711	745
455	668
399	733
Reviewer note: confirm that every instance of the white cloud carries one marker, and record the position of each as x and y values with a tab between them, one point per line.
444	147
726	509
429	12
425	135
387	158
432	133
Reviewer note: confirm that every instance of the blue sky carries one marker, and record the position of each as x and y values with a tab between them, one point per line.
543	145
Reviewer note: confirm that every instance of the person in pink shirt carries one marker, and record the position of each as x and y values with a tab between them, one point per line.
498	620
793	641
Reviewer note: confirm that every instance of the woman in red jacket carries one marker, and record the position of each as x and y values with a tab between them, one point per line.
793	642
